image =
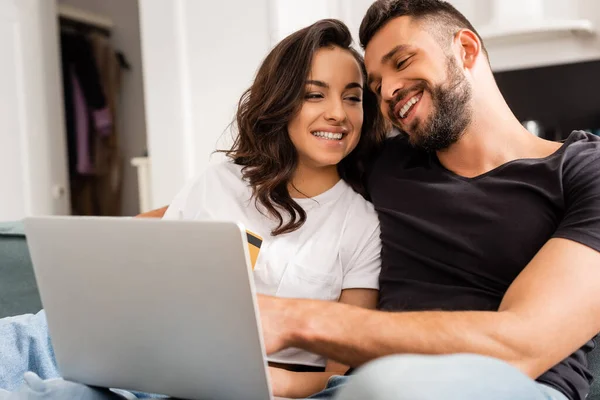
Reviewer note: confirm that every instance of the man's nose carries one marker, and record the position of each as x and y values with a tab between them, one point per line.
390	89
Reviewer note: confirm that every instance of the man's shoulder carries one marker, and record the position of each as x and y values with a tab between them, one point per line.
397	153
397	142
394	148
581	152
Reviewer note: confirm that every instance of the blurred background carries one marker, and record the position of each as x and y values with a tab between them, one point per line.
107	107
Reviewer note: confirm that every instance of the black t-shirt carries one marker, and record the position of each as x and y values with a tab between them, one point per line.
454	243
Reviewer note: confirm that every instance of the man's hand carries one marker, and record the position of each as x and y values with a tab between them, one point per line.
277	322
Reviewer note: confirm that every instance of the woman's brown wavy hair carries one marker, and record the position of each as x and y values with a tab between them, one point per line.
263	146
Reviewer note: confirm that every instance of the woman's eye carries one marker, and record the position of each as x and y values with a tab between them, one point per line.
313	96
355	99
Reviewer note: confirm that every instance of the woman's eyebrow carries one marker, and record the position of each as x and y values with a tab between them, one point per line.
354	85
326	85
317	83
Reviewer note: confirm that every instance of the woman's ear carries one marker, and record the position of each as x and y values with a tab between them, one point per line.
469	47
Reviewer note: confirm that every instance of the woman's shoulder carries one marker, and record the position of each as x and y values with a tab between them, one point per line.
214	178
217	173
225	168
360	215
360	240
218	184
357	205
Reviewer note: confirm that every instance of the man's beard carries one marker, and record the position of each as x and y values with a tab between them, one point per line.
450	116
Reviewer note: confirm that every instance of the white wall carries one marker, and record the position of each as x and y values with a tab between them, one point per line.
226	45
11	194
32	177
291	15
199	57
132	123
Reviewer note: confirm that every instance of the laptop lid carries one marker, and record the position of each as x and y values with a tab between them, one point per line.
156	306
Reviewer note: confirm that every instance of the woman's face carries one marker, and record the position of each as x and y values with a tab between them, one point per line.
327	127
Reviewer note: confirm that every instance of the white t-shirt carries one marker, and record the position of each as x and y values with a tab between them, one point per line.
337	248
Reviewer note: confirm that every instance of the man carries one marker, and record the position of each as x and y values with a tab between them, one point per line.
490	282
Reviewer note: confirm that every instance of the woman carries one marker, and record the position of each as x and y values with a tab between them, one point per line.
295	177
306	131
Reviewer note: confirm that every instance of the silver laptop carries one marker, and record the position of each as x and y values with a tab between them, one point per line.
155	306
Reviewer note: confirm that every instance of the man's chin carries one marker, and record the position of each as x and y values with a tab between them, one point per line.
414	138
417	141
420	141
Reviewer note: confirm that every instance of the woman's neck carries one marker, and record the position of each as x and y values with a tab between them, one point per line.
310	182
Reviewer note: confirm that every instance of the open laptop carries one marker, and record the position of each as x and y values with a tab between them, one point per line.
154	306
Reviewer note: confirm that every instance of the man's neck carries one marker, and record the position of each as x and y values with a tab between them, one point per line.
310	182
493	138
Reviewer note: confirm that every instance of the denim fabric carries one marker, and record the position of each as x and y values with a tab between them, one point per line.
25	346
451	377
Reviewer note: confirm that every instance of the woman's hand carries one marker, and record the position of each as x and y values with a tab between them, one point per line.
299	385
280	381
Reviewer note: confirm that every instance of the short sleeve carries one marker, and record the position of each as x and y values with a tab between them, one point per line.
363	268
581	221
190	202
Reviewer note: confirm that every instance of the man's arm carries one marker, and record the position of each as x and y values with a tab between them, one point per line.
550	310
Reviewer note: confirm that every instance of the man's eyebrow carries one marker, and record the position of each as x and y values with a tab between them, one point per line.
390	54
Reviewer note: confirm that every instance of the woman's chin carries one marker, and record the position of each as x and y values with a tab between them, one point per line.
327	163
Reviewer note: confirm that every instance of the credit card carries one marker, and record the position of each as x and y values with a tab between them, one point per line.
254	243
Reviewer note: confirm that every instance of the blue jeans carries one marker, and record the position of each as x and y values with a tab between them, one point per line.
452	377
25	346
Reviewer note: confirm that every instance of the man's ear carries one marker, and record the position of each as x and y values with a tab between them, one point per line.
469	47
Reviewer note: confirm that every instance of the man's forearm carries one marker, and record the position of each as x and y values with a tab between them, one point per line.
354	336
549	311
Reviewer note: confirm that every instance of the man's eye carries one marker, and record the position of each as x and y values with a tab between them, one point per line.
401	63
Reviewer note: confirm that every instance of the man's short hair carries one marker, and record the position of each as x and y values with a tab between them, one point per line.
444	21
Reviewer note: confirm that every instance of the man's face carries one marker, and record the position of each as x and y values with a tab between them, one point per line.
421	88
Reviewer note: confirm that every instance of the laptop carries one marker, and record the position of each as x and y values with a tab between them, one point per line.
156	306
